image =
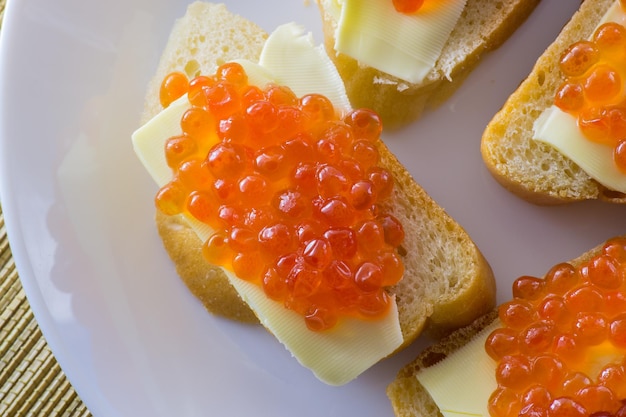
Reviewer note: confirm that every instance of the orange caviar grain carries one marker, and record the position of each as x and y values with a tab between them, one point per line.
294	193
407	6
179	148
619	155
392	267
222	99
504	402
602	84
319	318
365	124
553	333
171	198
610	38
570	97
502	342
597	397
516	314
280	95
374	304
566	407
202	207
343	242
216	249
247	265
232	73
198	87
528	287
197	123
549	372
174	86
579	58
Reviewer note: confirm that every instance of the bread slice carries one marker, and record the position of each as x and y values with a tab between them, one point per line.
447	283
408	397
534	170
483	26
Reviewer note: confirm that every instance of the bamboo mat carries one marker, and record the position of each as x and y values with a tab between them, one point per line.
31	381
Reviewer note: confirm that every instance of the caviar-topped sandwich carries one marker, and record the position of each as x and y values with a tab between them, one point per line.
556	349
400	57
560	137
279	203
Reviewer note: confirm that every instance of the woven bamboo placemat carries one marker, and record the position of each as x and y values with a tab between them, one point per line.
31	381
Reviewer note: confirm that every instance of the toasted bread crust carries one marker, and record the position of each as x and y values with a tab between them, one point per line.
483	26
408	397
530	169
447	282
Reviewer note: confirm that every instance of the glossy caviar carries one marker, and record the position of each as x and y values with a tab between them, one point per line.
293	192
561	350
593	90
407	6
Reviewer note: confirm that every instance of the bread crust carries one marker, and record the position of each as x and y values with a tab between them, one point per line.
408	397
447	283
483	26
530	169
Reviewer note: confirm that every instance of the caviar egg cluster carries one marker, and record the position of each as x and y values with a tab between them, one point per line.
407	6
561	350
292	190
593	90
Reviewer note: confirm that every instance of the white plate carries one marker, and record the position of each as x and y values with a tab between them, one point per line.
79	209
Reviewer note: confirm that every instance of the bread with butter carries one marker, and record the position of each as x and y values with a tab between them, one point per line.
447	283
531	169
408	397
483	26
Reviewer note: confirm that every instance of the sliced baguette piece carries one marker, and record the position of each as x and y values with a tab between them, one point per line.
530	169
483	26
447	283
408	397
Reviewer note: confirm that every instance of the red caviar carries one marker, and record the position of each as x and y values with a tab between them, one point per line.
561	350
594	87
293	192
407	6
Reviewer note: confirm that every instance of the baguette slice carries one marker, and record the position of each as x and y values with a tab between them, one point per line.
447	283
408	397
483	26
530	169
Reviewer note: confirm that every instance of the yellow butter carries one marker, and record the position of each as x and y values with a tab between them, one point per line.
560	130
461	384
405	46
341	354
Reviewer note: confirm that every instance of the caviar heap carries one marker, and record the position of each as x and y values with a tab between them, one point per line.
407	6
561	350
292	190
593	90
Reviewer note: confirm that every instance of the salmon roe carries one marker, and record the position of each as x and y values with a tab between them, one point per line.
293	191
561	350
594	88
407	6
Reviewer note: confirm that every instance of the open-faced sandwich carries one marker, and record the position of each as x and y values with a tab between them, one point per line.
279	203
400	57
561	136
557	348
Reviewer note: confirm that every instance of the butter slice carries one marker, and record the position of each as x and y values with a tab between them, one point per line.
462	383
402	45
560	130
336	356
